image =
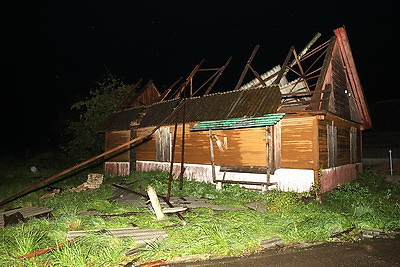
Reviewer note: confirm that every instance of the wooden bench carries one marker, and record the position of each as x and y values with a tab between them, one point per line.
244	169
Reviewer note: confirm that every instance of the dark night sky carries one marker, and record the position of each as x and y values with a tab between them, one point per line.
53	51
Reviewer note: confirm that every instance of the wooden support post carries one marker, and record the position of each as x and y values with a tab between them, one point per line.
269	152
172	162
183	149
155	203
219	185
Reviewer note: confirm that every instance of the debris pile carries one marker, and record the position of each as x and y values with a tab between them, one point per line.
93	182
52	194
21	214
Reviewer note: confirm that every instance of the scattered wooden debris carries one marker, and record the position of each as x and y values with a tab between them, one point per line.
155	203
337	234
94	212
272	242
125	214
141	236
55	192
164	199
183	223
21	214
13	218
93	182
377	233
184	202
173	210
90	212
194	202
46	250
259	205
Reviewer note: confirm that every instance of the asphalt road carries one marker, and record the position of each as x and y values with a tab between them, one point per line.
369	252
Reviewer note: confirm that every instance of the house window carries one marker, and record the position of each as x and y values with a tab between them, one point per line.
332	144
353	144
163	144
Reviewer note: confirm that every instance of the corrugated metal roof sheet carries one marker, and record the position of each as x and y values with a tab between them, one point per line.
247	122
119	121
221	106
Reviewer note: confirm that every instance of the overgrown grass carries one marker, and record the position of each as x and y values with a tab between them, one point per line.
369	202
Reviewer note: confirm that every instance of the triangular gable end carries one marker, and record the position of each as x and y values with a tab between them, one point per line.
356	89
339	84
130	110
146	96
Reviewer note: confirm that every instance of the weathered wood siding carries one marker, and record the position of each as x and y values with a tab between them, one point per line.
245	147
147	97
343	140
298	142
340	86
114	139
146	150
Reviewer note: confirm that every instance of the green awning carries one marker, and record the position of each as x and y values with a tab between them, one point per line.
236	123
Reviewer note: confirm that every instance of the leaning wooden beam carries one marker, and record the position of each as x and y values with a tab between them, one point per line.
122	147
128	95
306	48
246	68
187	81
302	74
284	66
172	162
155	203
143	195
165	94
205	83
221	70
183	148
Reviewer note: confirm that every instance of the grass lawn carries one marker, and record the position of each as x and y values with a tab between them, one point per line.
369	202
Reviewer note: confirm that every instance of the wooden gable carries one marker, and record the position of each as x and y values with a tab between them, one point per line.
339	84
147	95
131	108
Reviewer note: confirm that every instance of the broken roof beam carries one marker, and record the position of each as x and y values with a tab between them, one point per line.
188	80
302	74
165	94
128	95
220	71
315	50
325	65
306	48
284	66
246	68
215	76
302	53
265	77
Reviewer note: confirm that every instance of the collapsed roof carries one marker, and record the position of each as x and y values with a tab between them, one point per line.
321	79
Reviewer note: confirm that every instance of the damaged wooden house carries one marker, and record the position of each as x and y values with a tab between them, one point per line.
292	127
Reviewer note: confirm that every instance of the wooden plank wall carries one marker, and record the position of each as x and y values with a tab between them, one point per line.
245	147
298	141
114	139
343	140
340	84
146	150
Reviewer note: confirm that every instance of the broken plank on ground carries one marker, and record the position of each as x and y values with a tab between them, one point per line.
194	202
25	212
141	236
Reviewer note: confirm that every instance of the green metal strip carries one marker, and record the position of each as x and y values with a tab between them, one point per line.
247	122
